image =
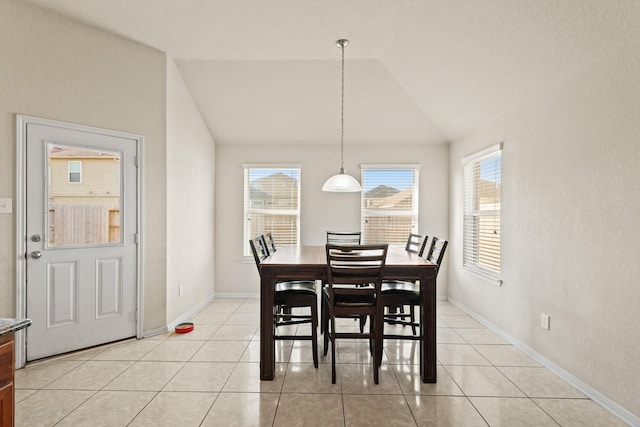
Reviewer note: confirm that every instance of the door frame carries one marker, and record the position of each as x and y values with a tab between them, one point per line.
21	220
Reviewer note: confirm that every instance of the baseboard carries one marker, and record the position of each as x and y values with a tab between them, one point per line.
590	392
236	295
154	332
183	318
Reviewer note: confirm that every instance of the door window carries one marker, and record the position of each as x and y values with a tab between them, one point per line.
84	196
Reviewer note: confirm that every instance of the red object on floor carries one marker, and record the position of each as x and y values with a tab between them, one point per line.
184	328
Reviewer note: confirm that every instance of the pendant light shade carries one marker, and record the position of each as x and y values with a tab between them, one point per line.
342	183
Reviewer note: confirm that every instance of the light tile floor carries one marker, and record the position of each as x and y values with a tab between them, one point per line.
210	377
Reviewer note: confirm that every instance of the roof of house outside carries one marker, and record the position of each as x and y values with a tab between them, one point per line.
69	152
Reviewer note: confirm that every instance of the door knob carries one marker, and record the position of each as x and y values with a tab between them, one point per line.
36	254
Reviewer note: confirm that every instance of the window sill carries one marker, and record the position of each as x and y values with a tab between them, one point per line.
496	281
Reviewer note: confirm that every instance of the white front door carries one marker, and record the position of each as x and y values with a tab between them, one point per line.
81	230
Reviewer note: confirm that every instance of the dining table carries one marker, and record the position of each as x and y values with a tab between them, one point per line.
310	263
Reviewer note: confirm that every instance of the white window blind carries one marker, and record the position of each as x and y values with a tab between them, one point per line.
389	203
272	204
481	229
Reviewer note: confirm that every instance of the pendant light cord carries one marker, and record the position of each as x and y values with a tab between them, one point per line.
342	182
342	115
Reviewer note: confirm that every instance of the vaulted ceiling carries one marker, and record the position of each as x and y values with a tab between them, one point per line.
417	71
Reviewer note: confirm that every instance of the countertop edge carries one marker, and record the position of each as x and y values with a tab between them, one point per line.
9	325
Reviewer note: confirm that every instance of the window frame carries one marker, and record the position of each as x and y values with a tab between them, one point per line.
471	252
264	205
69	171
415	202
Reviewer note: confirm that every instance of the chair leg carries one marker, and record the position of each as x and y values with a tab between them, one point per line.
333	350
377	353
412	316
372	343
321	312
325	322
380	334
314	333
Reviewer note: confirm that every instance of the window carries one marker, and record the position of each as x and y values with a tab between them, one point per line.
389	203
75	171
272	204
481	228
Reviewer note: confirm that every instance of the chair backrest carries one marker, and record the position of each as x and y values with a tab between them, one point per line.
416	244
258	249
436	251
351	265
271	243
344	237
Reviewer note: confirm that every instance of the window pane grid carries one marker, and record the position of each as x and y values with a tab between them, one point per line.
389	210
271	204
481	219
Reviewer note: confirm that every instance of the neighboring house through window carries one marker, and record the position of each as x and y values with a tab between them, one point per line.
84	195
481	206
272	203
389	211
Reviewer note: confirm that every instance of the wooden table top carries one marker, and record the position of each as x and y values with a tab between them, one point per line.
316	256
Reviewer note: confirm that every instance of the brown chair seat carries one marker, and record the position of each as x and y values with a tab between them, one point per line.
351	300
407	289
298	286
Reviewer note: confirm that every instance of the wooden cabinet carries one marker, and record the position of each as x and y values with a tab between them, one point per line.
6	380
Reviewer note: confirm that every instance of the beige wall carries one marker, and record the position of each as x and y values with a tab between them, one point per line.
570	192
55	68
190	201
571	240
320	211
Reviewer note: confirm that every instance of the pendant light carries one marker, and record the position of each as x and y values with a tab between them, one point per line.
342	182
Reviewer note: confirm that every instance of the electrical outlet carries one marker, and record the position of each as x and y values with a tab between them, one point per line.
180	290
545	321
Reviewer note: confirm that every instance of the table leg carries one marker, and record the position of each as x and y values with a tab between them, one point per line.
267	348
428	327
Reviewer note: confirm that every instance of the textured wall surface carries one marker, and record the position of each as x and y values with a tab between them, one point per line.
55	68
190	197
571	241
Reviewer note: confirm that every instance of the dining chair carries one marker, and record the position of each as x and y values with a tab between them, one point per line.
400	293
271	243
344	237
288	295
354	282
416	244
